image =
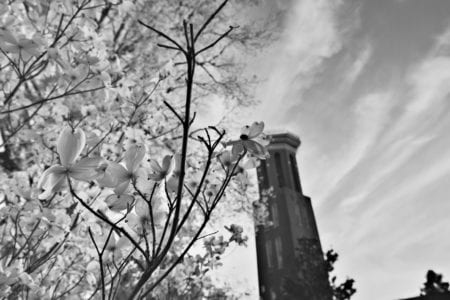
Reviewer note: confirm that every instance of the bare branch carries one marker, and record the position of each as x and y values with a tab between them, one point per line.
163	35
197	35
106	220
174	111
216	41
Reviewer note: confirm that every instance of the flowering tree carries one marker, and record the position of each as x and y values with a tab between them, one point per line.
106	185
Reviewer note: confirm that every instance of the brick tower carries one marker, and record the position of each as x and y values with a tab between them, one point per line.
289	254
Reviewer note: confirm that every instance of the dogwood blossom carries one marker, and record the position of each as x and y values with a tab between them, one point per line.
140	218
119	202
119	177
69	146
159	172
226	159
23	46
252	140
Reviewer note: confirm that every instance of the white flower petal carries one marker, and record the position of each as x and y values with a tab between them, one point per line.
122	187
70	144
53	170
143	182
51	181
7	36
166	163
263	140
255	130
134	156
237	149
160	172
87	169
114	175
119	202
226	157
156	176
142	209
133	221
172	184
249	163
154	166
256	149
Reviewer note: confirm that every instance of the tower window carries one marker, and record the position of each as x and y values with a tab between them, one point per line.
264	176
294	171
279	251
269	253
279	169
274	214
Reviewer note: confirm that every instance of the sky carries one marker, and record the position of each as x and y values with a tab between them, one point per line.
365	84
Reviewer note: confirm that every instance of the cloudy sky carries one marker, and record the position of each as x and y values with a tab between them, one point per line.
366	84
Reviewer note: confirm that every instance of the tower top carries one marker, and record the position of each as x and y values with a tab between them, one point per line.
284	137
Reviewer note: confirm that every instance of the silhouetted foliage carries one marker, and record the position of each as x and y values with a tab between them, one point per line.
345	290
314	280
434	284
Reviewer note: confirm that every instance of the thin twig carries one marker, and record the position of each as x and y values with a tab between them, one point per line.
197	35
100	260
106	220
174	111
216	41
163	35
49	99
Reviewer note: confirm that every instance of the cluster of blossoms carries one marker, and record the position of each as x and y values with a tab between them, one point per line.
116	175
72	141
128	172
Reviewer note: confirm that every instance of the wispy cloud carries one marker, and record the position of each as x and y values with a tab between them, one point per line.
385	197
358	64
312	36
315	35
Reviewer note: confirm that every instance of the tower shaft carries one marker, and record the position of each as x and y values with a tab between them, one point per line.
289	254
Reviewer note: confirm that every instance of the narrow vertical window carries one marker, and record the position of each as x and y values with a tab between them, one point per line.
274	212
269	253
279	251
294	171
264	176
279	169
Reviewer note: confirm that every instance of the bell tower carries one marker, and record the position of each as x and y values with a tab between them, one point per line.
289	254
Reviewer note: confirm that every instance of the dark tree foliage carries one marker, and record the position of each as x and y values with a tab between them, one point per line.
434	284
345	290
314	279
